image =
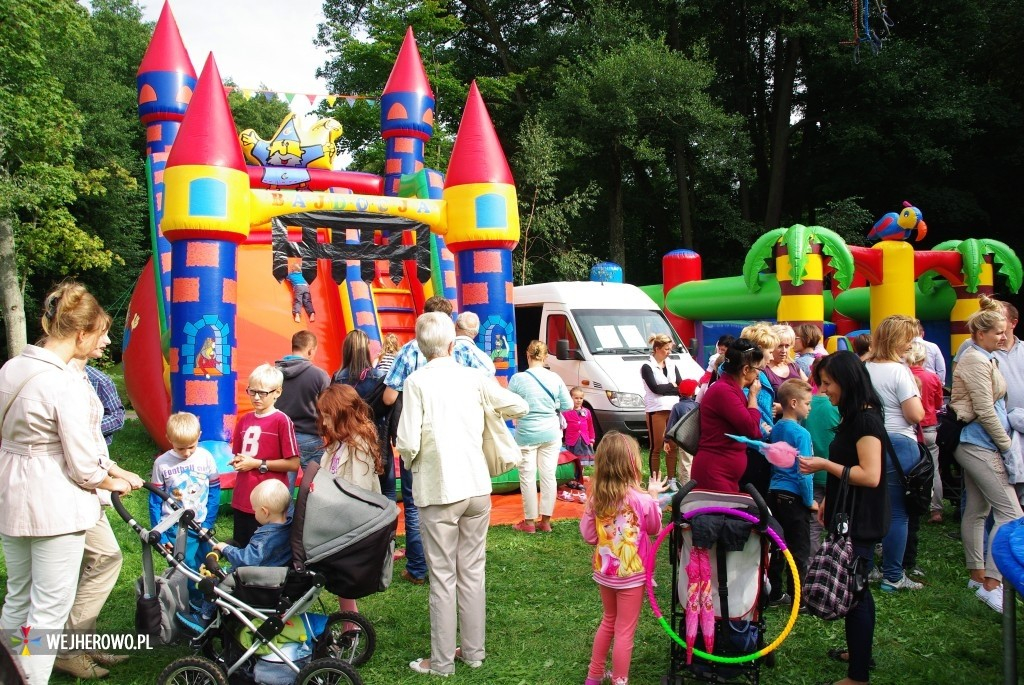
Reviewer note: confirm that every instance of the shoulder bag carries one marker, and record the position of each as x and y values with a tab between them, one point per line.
917	482
947	434
561	419
835	579
686	431
501	452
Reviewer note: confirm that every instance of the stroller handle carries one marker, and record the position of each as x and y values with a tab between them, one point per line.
682	492
762	507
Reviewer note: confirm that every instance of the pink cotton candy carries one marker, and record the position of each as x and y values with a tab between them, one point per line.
781	454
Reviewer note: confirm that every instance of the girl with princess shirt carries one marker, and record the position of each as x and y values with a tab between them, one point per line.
619	520
579	428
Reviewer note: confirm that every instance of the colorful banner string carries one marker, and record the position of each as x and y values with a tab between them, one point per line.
313	98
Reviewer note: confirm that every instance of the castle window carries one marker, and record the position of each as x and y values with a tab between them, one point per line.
208	197
490	211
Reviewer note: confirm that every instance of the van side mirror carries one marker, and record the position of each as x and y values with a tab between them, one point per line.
563	353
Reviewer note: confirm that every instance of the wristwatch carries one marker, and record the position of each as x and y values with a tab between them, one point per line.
263	466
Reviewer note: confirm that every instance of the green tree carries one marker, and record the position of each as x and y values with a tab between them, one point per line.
547	250
40	134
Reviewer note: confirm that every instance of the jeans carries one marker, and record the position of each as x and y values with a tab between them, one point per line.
415	561
387	479
860	624
894	544
310	448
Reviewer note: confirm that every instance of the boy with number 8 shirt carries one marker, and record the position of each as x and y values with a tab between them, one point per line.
264	446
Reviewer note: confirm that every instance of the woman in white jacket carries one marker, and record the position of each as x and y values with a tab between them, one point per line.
979	396
50	465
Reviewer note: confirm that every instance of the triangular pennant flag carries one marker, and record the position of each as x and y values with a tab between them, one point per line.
269	95
247	93
351	101
229	89
289	97
371	103
331	99
312	98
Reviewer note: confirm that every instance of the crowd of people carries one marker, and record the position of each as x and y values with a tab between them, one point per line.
857	419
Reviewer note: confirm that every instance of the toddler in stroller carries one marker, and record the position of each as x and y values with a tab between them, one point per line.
261	631
719	547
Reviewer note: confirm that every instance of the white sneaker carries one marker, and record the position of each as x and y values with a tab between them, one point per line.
672	485
993	597
974	585
903	583
875	576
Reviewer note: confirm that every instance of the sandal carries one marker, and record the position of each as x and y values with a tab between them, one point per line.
841	655
566	496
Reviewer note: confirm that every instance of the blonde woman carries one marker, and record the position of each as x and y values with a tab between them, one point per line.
661	392
979	396
539	435
780	367
902	408
52	459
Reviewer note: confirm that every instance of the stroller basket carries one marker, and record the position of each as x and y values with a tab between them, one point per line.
345	533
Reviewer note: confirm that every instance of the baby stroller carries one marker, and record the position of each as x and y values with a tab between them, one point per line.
262	633
719	586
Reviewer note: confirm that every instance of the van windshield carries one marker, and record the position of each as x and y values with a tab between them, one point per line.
621	331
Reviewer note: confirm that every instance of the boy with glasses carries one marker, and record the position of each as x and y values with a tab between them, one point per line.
264	446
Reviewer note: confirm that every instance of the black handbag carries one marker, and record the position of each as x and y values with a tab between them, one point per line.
836	576
686	431
917	482
947	434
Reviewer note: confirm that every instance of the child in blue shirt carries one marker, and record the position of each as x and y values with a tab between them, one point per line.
791	493
188	473
687	402
301	299
270	545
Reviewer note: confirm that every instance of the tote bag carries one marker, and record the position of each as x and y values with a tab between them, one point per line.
686	431
500	449
835	579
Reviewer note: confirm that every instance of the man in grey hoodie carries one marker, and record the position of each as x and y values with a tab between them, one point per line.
303	383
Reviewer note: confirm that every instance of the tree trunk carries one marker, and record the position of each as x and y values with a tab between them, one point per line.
683	190
780	135
11	297
616	236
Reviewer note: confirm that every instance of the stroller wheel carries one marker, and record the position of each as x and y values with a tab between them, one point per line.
192	670
328	672
348	636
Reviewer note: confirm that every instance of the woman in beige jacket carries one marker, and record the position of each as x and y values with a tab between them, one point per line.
50	466
979	396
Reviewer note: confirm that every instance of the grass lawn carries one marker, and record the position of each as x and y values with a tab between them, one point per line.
543	609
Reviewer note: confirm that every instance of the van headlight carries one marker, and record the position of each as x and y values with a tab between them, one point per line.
625	400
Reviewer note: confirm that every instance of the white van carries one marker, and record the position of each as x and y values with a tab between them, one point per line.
596	335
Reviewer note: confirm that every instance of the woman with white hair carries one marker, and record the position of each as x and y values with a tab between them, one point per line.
780	367
440	438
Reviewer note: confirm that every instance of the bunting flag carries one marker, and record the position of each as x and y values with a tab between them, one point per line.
313	98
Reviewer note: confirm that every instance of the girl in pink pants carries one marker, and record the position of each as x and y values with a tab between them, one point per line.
619	520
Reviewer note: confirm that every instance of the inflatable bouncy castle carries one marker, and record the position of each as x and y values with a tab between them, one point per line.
233	216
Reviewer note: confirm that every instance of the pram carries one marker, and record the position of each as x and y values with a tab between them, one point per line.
722	591
262	632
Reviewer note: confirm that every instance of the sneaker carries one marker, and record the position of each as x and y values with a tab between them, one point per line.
566	496
672	485
782	601
917	572
525	526
875	576
470	663
903	583
81	666
974	585
993	597
192	622
543	527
